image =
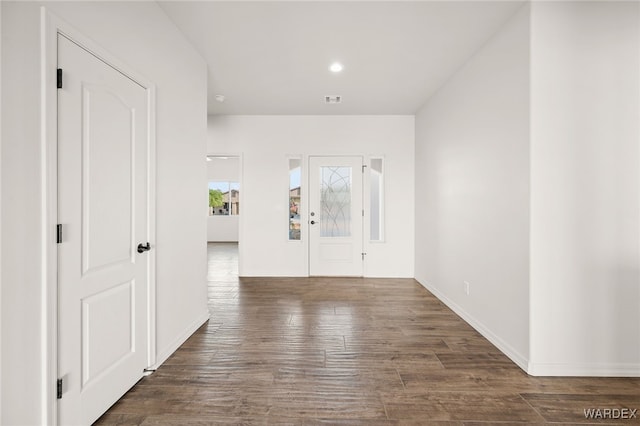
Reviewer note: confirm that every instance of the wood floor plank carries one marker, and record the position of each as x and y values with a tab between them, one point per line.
462	361
348	351
112	418
571	407
460	406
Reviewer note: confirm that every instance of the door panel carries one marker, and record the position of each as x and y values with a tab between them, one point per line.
335	218
107	152
102	206
99	355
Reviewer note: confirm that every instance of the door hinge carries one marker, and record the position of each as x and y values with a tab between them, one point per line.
59	233
363	167
363	255
59	389
362	212
59	78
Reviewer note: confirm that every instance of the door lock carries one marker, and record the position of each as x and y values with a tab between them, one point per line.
142	249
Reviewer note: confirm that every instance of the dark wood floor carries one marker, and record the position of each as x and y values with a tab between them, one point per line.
348	351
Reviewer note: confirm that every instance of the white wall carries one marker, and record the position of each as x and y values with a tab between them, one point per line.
472	190
0	212
528	177
265	142
140	35
585	180
22	399
223	228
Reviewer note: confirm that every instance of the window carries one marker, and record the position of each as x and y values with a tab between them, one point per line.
295	178
224	198
376	197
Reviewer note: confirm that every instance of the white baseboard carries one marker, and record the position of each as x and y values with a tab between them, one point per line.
166	353
272	275
584	370
520	360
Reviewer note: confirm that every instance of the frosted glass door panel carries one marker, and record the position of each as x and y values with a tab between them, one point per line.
335	201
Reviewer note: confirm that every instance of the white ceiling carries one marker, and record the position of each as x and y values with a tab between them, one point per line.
273	57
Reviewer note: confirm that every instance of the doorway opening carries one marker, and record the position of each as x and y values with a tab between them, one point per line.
224	215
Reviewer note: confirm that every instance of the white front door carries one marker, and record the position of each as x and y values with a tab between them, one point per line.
335	216
102	207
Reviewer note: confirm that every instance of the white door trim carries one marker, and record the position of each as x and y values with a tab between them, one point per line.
50	27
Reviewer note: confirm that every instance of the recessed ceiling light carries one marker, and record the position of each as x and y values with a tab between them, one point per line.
336	67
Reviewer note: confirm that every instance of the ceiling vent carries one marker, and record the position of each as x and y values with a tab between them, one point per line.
333	99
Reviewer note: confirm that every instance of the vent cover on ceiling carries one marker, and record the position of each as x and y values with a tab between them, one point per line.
333	99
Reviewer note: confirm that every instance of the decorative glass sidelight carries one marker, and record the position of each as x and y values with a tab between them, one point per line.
295	179
376	198
335	201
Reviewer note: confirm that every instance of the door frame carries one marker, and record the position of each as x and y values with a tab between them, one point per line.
363	196
50	27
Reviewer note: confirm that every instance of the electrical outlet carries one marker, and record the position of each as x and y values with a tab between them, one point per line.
466	287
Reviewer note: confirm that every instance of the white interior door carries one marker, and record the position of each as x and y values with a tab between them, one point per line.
335	216
102	206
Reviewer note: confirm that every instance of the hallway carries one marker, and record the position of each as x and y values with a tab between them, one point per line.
347	351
